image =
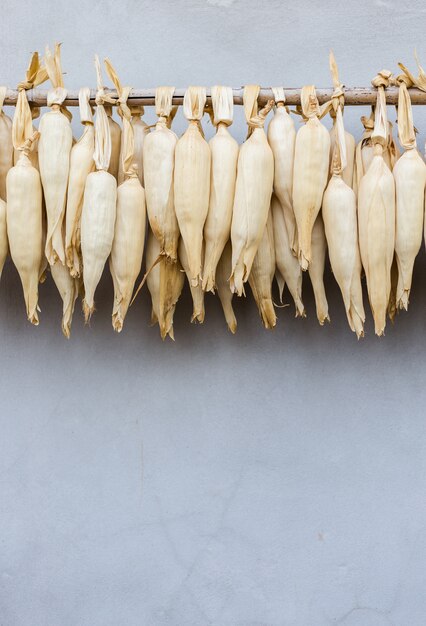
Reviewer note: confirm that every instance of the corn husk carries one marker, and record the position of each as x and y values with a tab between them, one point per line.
129	235
376	216
224	151
165	283
158	154
99	205
410	182
68	290
54	150
192	181
140	132
6	145
81	164
341	229
115	133
311	163
223	272
255	177
288	271
4	242
282	139
262	276
316	269
197	292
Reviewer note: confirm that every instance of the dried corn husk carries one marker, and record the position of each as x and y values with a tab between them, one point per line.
223	272
165	283
4	243
224	151
376	215
158	154
54	157
197	292
81	164
410	181
115	132
338	99
310	175
255	177
262	276
192	181
316	269
140	131
68	290
129	236
288	270
341	229
282	139
99	204
6	145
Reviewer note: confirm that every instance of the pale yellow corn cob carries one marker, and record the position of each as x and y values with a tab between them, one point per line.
54	150
68	290
4	243
115	132
255	177
316	269
99	205
376	217
310	175
158	155
192	181
6	145
262	276
165	283
409	173
81	164
223	272
140	132
224	151
288	270
282	139
197	292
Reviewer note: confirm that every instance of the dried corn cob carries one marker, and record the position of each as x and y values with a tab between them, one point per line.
197	292
288	270
224	151
158	154
316	269
115	133
262	276
129	236
282	138
81	164
255	177
99	204
376	215
192	181
311	162
6	145
140	132
223	271
54	157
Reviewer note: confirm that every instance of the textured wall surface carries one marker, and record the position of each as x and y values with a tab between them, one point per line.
267	479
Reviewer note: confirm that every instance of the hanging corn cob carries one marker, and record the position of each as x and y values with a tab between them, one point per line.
262	276
54	156
282	138
376	215
310	174
255	177
140	132
192	181
165	283
224	151
223	271
197	292
129	236
158	155
81	164
115	133
6	145
316	269
99	204
341	228
288	270
348	171
410	181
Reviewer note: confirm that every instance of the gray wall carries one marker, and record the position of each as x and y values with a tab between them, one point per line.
271	478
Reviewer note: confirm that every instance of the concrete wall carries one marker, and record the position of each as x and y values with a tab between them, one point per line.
267	479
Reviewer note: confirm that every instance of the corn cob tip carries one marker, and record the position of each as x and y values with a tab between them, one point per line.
66	330
402	303
117	322
198	316
88	311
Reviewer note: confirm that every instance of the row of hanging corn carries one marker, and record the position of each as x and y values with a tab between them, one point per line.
220	213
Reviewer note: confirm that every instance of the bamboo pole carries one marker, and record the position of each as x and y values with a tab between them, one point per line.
354	96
